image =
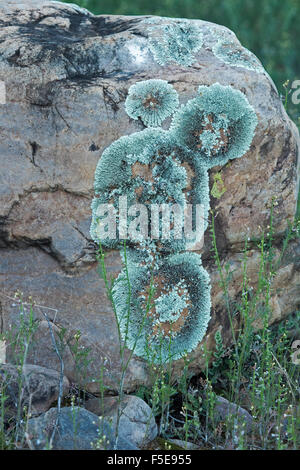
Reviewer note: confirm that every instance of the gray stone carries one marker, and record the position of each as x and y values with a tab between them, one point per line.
78	429
225	410
33	387
42	352
184	444
67	74
137	422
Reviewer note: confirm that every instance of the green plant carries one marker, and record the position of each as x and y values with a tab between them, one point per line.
19	338
218	188
259	366
110	284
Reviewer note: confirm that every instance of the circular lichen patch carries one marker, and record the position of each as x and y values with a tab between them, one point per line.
175	319
152	101
218	125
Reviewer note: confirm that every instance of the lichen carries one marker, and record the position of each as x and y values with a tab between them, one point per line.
167	332
155	167
152	101
169	306
218	125
149	168
237	56
177	41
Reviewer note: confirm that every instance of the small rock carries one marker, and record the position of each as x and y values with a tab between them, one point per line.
39	388
42	352
78	429
224	409
137	422
183	444
292	414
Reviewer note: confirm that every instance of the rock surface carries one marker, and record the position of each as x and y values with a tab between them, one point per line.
78	429
226	411
184	444
34	387
137	422
67	74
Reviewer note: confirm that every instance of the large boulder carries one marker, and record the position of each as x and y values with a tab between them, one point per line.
67	75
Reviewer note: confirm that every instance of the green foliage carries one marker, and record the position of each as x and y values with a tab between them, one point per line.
218	188
219	352
152	101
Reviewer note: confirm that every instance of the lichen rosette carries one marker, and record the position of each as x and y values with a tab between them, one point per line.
165	311
175	42
217	125
237	56
152	101
149	168
175	320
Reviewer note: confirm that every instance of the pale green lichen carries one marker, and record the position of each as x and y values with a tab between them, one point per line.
170	306
237	56
178	42
149	168
152	101
218	125
181	271
170	167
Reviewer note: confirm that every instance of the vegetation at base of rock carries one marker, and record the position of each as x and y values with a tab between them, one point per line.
247	397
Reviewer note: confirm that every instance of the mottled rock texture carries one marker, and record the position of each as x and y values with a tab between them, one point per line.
137	423
33	387
67	75
227	411
78	429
